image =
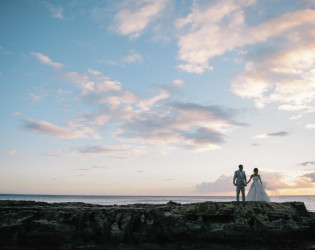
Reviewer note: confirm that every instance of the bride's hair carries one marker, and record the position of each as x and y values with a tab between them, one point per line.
256	170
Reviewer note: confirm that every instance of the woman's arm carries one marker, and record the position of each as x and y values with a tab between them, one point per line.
250	179
259	179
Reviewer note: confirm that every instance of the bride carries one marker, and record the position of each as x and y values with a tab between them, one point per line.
256	191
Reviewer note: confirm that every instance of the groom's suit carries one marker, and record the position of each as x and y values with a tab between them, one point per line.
240	184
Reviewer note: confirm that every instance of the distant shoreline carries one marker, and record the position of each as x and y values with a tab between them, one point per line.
105	195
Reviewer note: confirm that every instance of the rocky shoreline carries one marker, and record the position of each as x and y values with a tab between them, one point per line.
207	225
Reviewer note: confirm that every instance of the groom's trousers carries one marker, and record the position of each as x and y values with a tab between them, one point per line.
238	190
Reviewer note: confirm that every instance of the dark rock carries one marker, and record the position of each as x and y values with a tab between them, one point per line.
215	225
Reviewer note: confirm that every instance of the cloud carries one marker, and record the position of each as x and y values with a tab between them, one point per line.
272	181
275	134
285	73
46	60
311	176
212	30
133	57
71	131
4	51
209	31
10	152
282	72
55	10
178	82
310	126
16	114
34	97
134	16
188	125
306	163
275	181
148	120
92	81
120	151
221	185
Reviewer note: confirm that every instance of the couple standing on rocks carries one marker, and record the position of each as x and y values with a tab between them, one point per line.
256	191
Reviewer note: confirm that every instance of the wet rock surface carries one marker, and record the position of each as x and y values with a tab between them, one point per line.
207	225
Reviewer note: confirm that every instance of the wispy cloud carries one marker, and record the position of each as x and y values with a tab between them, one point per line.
46	60
71	131
34	97
187	125
133	57
178	82
120	151
135	15
307	163
147	120
157	119
55	10
16	114
311	176
4	51
310	126
10	152
275	134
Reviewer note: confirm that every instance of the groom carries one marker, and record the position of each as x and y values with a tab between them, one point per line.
240	183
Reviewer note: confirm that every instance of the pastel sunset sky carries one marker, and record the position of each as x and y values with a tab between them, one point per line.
156	97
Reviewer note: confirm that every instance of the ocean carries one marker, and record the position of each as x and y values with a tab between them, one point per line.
309	200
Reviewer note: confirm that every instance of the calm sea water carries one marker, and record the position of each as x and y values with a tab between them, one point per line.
309	200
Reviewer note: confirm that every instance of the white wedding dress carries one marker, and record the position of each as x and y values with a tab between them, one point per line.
257	192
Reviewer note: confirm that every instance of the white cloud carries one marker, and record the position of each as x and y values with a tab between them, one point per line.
135	16
92	81
71	131
46	60
178	82
273	182
10	152
34	97
55	10
95	120
204	34
148	120
133	57
16	114
287	77
120	151
153	120
221	185
4	51
187	125
284	75
310	126
212	30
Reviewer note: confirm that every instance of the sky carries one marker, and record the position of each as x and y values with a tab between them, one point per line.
168	97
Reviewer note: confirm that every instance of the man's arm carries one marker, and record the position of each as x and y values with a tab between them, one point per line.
234	178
